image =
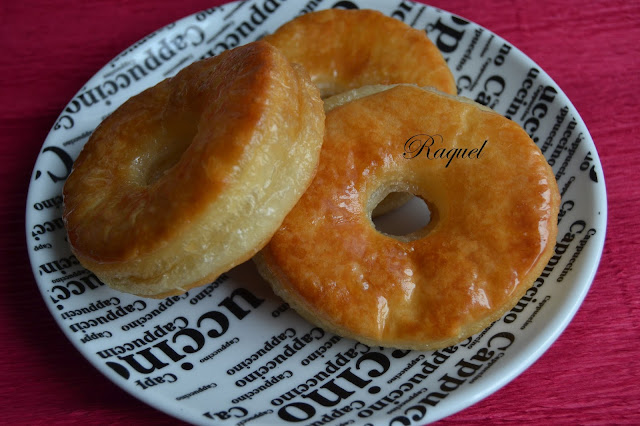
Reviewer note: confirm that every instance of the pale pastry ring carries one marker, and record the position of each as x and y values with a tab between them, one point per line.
192	176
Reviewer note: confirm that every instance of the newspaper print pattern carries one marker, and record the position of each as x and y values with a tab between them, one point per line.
231	352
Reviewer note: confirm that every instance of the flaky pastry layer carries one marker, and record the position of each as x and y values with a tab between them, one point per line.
193	176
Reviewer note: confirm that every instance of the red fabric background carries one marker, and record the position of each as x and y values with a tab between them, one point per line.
591	49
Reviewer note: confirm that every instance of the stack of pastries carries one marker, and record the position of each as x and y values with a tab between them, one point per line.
282	151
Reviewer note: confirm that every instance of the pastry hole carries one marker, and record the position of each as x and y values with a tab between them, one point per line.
163	162
407	222
165	151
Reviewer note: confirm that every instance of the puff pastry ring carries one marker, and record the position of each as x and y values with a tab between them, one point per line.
193	176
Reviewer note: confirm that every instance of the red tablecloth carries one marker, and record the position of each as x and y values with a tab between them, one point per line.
591	49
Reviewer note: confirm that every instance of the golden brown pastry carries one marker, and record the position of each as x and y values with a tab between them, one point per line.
493	201
193	176
348	49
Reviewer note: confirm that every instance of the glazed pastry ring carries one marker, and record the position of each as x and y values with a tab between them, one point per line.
349	49
493	221
193	176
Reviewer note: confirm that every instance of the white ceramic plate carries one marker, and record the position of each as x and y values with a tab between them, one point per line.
231	352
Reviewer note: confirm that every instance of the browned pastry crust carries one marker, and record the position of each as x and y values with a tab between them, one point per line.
192	176
493	222
347	49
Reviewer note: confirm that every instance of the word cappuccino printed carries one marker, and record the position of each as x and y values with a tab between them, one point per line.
429	144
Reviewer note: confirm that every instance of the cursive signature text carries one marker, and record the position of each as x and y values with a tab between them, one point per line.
430	146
